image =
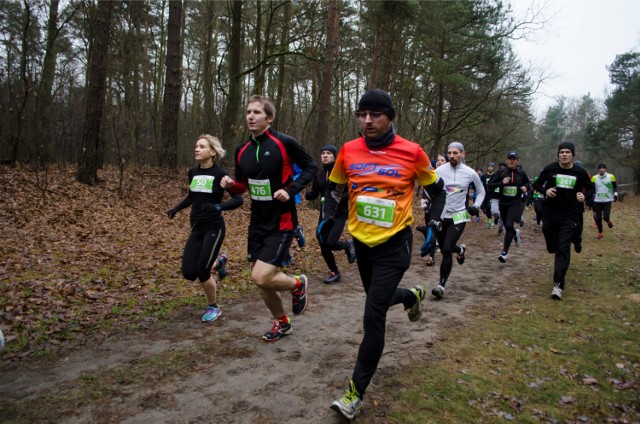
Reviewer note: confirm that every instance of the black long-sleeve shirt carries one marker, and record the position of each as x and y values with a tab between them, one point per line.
568	182
204	188
509	193
264	165
321	186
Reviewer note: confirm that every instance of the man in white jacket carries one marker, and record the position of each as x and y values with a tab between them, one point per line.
456	177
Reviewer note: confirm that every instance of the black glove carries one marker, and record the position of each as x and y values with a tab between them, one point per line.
215	208
171	213
329	208
473	211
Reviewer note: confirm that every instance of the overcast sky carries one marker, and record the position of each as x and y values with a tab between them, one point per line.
581	38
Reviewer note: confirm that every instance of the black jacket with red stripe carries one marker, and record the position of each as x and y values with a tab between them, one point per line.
271	156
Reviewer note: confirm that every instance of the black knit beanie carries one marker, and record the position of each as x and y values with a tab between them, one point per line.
377	100
567	145
330	148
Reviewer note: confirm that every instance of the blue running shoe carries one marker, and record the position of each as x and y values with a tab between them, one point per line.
211	314
351	252
222	266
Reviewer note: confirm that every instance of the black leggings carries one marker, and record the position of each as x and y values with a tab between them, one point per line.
601	212
330	241
201	251
538	206
557	235
447	240
381	269
510	214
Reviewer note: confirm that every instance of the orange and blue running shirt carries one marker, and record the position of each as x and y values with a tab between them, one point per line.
381	185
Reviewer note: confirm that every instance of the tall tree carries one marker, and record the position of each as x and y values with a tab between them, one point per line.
618	135
234	57
87	172
333	20
171	103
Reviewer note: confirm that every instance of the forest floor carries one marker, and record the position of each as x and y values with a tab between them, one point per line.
93	250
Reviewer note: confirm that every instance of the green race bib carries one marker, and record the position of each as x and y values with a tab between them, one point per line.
565	181
510	191
460	217
202	184
260	189
375	211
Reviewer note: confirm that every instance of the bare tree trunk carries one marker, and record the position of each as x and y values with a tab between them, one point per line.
333	19
45	98
281	62
20	104
88	159
235	89
208	66
171	104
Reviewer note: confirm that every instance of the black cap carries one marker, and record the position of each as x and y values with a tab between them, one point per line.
567	145
377	100
602	165
330	148
513	154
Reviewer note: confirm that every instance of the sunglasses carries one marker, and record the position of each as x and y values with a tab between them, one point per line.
373	115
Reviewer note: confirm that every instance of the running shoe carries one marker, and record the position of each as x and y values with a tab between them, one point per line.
222	266
438	292
556	293
599	236
415	312
610	224
351	252
349	404
211	314
299	235
522	222
503	257
334	277
278	330
430	261
460	256
299	296
490	223
500	230
517	238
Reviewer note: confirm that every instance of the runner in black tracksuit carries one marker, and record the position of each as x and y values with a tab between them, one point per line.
207	225
330	230
564	186
513	184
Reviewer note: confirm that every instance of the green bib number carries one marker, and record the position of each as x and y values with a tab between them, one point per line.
202	184
510	191
375	211
565	181
260	189
460	217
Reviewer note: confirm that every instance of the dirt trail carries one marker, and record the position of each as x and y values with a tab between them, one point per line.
295	379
